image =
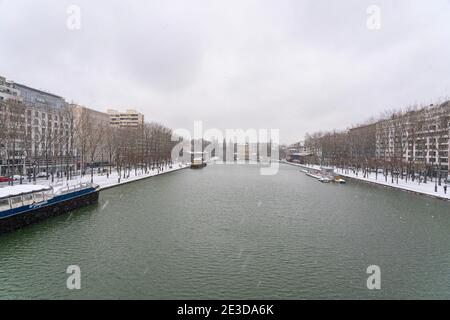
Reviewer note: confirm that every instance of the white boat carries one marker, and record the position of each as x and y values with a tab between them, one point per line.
309	174
340	180
325	180
22	205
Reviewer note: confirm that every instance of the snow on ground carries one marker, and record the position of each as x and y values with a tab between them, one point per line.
411	186
102	180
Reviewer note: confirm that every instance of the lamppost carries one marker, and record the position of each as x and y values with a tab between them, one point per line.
435	180
92	172
34	172
24	170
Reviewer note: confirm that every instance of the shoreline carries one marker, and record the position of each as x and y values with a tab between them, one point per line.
105	183
139	178
410	189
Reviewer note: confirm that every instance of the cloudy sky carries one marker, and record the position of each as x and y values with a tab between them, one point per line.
295	65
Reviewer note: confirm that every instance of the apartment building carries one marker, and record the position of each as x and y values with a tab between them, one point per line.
128	119
35	128
98	118
420	136
32	135
90	124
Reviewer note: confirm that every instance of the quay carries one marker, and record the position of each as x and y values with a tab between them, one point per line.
26	204
425	189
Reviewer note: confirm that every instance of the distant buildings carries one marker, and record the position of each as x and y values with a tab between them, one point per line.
47	129
416	140
298	152
98	118
129	119
90	126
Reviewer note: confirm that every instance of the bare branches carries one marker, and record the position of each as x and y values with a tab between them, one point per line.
62	141
406	143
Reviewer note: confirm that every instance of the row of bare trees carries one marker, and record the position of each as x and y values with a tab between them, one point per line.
64	143
409	144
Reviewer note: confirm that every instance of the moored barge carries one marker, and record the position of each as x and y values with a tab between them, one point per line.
198	163
23	205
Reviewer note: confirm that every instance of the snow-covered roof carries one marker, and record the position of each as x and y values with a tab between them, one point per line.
22	188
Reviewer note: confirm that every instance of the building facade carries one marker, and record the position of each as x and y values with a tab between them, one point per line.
38	98
420	137
129	119
8	91
100	119
363	141
36	130
91	127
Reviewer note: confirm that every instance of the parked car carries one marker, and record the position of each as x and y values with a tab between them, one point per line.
42	175
5	179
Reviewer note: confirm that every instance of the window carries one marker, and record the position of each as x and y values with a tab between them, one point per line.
16	202
48	195
4	204
38	196
28	199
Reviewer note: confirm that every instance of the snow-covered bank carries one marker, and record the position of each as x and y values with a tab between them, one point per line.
409	186
103	180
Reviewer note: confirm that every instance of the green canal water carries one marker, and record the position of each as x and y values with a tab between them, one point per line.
226	232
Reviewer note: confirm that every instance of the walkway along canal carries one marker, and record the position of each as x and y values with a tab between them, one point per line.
425	189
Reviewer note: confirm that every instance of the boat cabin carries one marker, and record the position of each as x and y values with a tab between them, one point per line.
23	195
197	161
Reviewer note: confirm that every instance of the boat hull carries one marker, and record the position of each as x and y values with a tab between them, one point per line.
55	207
198	166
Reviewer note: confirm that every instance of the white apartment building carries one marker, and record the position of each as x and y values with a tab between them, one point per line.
418	136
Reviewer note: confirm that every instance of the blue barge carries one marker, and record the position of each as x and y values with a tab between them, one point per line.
23	205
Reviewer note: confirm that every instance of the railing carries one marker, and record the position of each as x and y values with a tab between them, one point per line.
26	199
73	188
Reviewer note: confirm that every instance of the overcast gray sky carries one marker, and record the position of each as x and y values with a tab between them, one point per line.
295	65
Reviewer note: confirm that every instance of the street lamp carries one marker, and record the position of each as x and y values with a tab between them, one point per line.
435	179
34	172
92	172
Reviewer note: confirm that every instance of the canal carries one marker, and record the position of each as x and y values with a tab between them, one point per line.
226	232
